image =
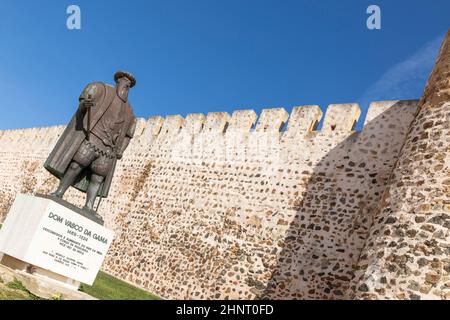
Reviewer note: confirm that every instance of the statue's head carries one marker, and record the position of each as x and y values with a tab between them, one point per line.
124	81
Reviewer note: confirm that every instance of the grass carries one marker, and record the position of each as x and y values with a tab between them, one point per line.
107	287
12	294
15	290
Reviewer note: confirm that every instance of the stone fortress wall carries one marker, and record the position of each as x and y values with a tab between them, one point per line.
407	252
241	206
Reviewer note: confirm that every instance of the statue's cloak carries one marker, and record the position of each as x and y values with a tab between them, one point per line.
76	132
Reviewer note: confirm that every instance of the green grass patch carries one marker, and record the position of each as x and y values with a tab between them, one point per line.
16	285
19	290
11	294
107	287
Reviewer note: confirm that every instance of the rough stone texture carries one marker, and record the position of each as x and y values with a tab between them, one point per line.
41	287
407	255
210	207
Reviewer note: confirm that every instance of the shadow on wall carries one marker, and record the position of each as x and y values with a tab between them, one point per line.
324	240
167	231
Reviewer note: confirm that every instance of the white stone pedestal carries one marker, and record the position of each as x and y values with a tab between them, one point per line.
49	240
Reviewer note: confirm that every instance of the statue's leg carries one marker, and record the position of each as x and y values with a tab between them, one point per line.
92	191
100	169
82	158
69	177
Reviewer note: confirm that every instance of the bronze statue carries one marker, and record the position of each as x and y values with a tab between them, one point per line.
86	153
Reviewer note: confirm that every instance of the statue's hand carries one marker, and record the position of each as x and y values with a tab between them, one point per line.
88	104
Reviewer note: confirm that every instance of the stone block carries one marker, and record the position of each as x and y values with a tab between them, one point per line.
41	236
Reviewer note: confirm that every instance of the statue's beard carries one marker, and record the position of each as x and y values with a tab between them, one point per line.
122	92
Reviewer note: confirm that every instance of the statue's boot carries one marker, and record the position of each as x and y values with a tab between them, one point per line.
67	180
56	194
91	194
95	215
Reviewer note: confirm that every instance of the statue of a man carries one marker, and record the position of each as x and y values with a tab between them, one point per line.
86	153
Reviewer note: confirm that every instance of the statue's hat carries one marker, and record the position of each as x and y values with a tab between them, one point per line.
128	75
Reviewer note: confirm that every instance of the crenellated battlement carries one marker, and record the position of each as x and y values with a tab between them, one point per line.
235	183
276	121
275	136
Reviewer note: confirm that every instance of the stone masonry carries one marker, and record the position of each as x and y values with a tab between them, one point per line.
246	207
407	253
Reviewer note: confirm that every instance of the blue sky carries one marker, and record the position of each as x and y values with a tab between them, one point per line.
199	56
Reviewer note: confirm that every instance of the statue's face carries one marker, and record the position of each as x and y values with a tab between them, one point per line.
123	86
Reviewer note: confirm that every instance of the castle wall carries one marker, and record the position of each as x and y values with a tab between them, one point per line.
407	255
219	206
